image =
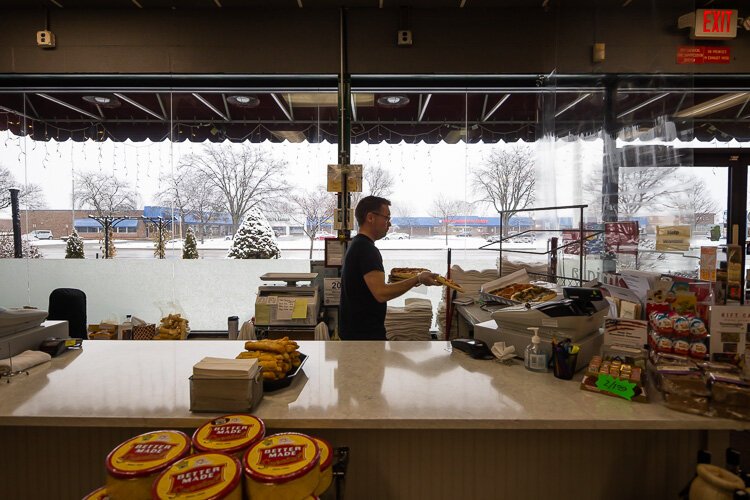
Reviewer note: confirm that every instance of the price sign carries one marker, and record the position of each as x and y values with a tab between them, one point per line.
332	291
622	388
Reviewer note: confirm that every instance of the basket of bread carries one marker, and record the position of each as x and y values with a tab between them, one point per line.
172	327
279	360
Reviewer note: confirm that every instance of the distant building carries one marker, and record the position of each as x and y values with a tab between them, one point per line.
62	222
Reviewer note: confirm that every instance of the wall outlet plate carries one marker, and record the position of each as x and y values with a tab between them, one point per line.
404	38
45	39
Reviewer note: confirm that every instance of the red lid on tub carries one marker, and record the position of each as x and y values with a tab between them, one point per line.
204	476
148	453
229	433
326	453
281	458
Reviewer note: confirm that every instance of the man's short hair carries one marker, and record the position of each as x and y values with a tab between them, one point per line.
369	204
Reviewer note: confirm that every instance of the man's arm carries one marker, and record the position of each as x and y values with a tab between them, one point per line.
383	292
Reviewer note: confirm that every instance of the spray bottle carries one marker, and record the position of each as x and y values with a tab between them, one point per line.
535	359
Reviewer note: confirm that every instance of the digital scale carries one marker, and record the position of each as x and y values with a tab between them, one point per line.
289	304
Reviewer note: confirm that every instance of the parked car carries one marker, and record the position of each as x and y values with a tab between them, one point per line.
40	234
323	235
464	233
396	236
524	238
493	238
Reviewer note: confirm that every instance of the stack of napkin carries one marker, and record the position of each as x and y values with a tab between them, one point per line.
225	368
220	384
411	322
471	281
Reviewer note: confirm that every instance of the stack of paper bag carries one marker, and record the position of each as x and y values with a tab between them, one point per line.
411	322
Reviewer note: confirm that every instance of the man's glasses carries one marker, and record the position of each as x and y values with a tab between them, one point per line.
386	217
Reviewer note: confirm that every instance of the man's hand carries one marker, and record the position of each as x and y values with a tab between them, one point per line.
427	278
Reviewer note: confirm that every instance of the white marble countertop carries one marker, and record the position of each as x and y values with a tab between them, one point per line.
366	385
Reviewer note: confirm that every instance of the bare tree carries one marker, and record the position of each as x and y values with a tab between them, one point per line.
174	193
30	196
693	201
405	211
104	194
312	209
507	181
192	193
445	209
244	175
376	181
639	188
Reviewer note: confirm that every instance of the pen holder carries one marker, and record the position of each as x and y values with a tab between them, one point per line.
564	364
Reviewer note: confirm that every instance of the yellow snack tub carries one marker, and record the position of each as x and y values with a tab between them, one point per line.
230	434
283	466
98	494
133	465
326	466
205	476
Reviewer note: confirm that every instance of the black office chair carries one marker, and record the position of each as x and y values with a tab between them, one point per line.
69	304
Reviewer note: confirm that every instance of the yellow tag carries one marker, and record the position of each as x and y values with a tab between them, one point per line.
262	314
300	309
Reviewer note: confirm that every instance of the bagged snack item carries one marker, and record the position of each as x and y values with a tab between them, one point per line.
680	326
133	465
697	405
698	351
664	344
326	466
681	347
173	327
205	476
689	384
698	329
283	466
729	411
230	434
727	390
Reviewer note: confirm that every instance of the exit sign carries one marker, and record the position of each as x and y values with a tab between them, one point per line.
715	24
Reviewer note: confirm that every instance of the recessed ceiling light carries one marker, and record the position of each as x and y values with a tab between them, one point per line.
393	101
103	101
246	101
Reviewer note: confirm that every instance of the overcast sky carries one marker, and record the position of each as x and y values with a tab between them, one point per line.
421	171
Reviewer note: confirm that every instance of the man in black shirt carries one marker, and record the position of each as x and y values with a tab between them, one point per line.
364	292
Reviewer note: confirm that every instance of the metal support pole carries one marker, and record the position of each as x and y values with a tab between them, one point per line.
16	217
610	168
737	206
345	111
582	247
107	225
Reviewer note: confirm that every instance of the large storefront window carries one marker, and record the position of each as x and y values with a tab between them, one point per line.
463	168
